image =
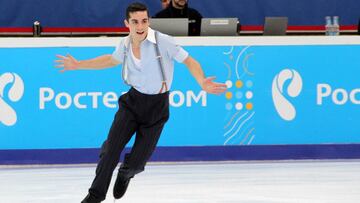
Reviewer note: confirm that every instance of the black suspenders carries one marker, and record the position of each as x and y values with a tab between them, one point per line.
124	71
158	56
161	65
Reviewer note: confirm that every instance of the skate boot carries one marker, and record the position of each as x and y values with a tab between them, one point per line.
91	199
120	186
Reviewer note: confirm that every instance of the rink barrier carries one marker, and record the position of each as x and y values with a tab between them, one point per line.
184	154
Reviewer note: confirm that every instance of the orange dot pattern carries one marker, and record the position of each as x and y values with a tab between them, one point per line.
228	95
239	84
249	106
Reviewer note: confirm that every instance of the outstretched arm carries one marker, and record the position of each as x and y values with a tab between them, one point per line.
68	62
206	84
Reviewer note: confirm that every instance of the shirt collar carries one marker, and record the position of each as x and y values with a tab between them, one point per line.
150	37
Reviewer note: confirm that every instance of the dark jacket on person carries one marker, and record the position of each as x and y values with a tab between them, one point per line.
193	15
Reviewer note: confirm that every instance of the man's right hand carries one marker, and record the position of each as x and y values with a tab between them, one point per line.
67	62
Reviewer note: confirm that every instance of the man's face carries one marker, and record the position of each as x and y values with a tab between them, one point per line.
138	25
179	3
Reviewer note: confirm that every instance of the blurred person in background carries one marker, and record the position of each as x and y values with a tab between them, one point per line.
164	3
180	9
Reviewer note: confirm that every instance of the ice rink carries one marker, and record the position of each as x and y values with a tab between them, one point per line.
220	182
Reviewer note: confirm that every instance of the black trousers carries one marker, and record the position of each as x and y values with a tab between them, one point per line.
138	113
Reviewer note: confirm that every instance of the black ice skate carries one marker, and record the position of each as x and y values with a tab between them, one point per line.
90	199
121	185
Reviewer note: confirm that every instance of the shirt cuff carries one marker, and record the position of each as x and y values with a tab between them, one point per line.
116	57
181	55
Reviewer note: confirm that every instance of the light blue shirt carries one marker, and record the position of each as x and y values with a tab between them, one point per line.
147	77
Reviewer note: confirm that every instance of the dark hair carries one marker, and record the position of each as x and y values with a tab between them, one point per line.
134	7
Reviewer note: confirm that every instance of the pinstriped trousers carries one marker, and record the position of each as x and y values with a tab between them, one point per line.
138	113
